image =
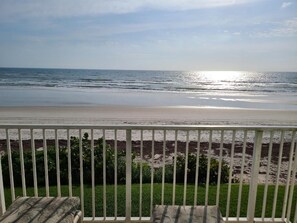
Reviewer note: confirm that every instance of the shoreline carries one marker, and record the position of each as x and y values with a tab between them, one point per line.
93	97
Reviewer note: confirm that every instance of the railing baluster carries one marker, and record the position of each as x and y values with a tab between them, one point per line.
81	167
140	180
69	164
254	176
2	194
230	175
10	166
241	176
174	168
267	176
22	163
34	164
197	167
104	176
58	163
93	174
115	174
208	167
295	216
293	180
220	168
45	164
163	169
287	210
152	172
288	175
280	157
186	169
128	174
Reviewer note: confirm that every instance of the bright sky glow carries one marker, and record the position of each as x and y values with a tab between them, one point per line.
255	35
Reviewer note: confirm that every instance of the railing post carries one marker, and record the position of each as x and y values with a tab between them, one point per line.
128	174
254	176
2	196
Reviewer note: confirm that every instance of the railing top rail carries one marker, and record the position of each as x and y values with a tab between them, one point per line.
149	127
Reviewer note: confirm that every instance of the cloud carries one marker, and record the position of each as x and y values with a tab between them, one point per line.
286	28
71	8
286	4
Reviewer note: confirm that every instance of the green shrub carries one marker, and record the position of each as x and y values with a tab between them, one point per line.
63	159
180	170
110	166
202	172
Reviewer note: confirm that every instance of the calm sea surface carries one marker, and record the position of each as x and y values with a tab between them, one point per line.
57	87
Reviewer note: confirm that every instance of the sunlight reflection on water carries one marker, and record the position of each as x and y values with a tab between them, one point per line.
229	80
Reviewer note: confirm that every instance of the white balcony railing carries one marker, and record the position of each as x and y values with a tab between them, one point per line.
259	185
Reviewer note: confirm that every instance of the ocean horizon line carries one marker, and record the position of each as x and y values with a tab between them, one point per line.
136	69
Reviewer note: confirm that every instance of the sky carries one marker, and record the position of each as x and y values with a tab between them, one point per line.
252	35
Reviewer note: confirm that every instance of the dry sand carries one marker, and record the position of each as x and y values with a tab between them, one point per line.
144	115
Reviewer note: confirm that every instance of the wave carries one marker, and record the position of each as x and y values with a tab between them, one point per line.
177	81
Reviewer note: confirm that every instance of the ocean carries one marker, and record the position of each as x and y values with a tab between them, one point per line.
214	89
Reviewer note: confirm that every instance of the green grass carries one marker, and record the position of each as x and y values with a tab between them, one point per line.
168	198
